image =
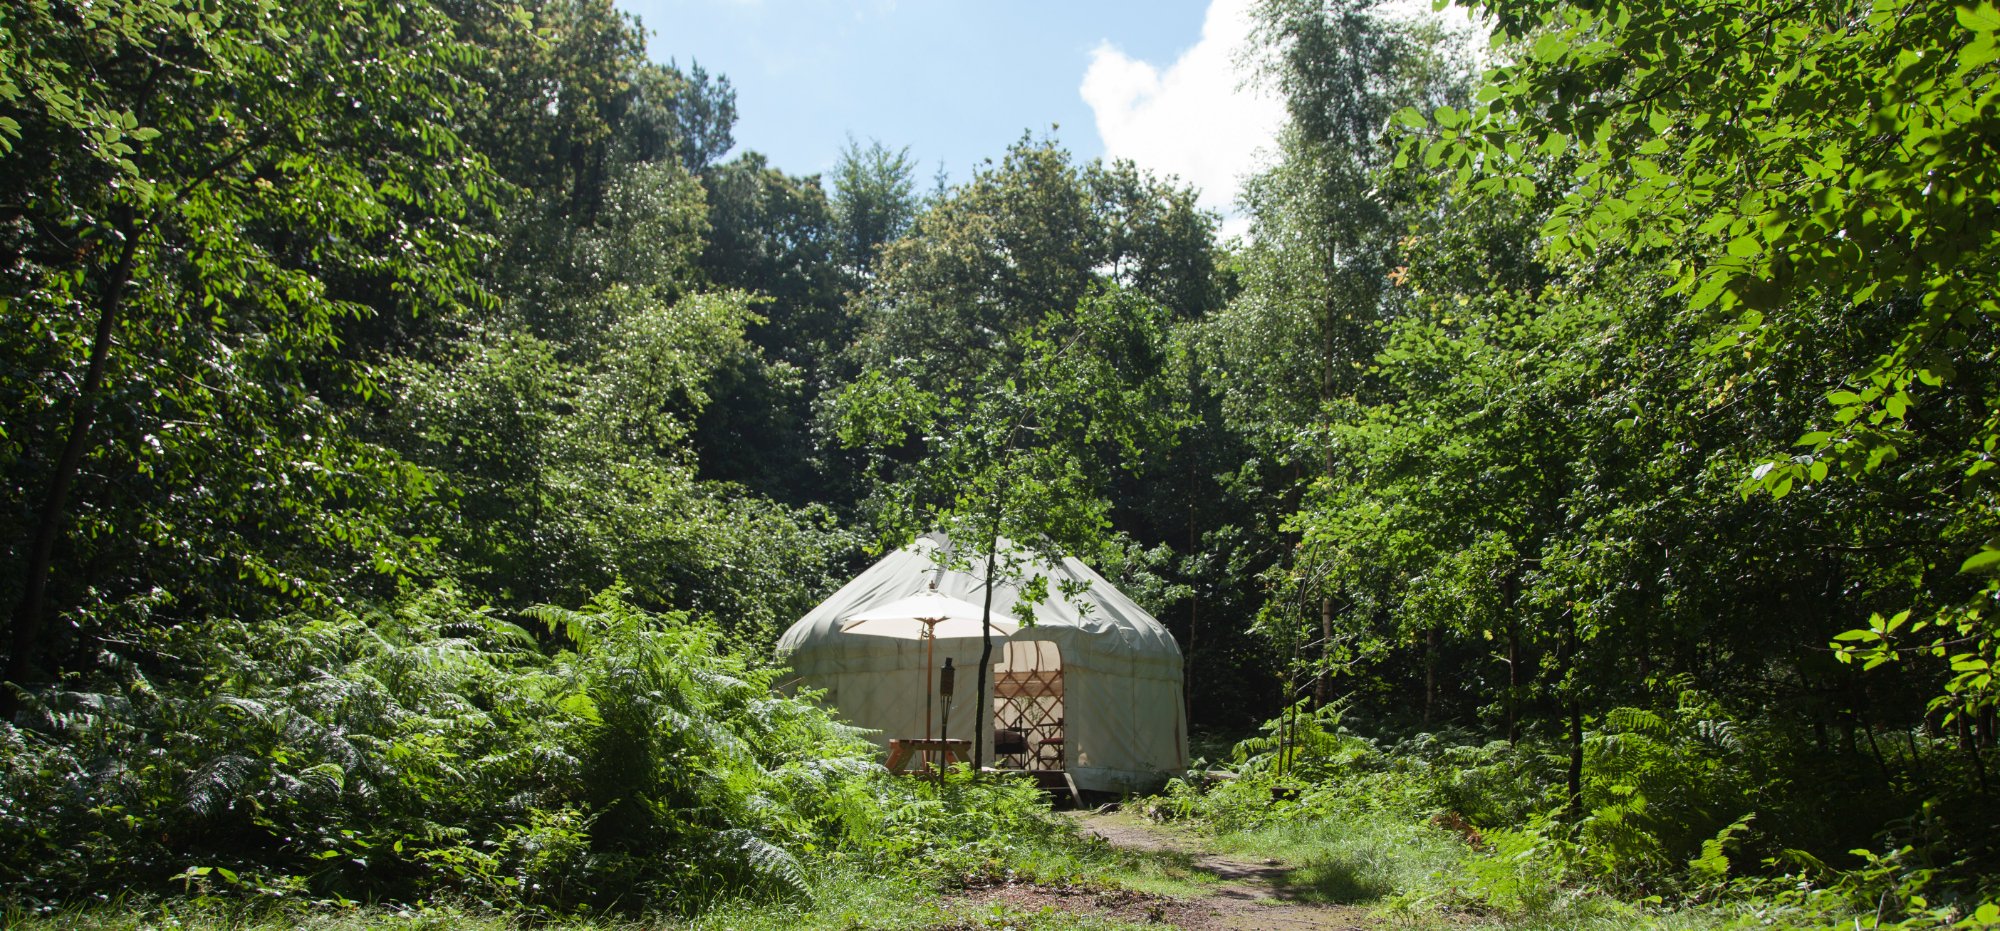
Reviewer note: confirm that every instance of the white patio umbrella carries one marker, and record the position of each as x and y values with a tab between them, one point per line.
927	615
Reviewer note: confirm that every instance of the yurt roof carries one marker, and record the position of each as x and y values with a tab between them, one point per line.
1099	628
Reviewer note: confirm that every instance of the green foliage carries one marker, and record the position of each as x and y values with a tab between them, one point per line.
777	236
1024	241
343	340
567	476
1668	819
1532	361
432	750
201	201
874	200
1024	457
1817	165
1293	346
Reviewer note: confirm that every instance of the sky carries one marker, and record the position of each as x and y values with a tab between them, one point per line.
1155	81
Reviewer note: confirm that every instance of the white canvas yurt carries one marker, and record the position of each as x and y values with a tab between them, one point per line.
1092	689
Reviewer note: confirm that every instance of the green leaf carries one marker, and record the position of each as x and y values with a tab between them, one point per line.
1986	560
1979	53
1549	47
1984	17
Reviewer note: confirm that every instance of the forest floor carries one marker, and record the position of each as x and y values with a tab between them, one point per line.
1196	889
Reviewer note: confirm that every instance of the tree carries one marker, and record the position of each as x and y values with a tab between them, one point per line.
874	201
1022	459
203	173
775	235
1803	170
557	87
1294	349
1021	241
704	117
1029	237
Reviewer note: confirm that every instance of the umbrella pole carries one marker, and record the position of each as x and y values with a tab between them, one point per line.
930	650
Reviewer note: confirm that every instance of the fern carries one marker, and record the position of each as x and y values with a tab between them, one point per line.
215	786
1712	866
1637	721
769	861
575	625
648	768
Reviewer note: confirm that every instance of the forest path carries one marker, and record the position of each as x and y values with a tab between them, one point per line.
1248	894
1232	894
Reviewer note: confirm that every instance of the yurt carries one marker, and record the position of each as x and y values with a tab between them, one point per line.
1091	690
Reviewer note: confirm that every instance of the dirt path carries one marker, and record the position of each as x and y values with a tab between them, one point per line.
1245	894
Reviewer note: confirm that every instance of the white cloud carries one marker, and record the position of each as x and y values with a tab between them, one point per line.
1194	119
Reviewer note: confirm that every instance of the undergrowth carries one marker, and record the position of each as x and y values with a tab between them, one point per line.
615	762
1669	833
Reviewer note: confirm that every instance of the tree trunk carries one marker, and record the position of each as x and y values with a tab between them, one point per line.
1194	608
1971	747
1325	665
1572	663
985	705
1575	760
1509	593
1917	769
1321	687
1513	682
1430	673
1868	731
26	641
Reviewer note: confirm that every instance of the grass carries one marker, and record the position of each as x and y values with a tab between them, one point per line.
868	904
1413	875
1157	872
195	916
845	897
1358	861
1410	875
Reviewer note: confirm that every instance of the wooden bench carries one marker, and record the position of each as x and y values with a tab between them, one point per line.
936	751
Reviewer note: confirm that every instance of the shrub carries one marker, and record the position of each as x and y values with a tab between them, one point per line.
432	749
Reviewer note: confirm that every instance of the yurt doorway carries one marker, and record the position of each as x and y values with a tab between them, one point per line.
1028	708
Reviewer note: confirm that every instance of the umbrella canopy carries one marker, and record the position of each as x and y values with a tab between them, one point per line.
924	614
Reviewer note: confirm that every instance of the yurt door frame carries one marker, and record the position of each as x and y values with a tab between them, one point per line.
1028	707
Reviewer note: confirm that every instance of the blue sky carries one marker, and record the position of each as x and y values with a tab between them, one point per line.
957	81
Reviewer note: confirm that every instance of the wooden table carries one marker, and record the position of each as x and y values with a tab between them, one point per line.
936	750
